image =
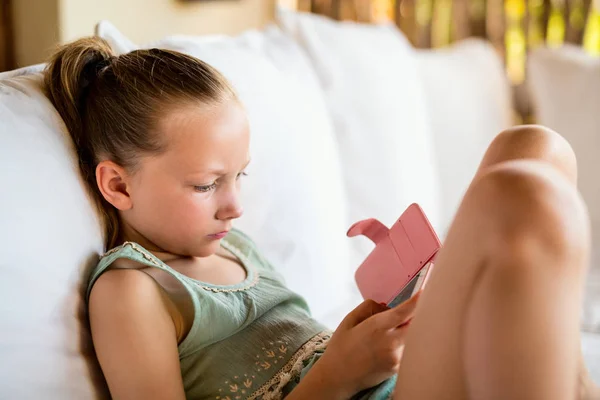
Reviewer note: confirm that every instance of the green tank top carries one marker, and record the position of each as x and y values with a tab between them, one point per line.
247	341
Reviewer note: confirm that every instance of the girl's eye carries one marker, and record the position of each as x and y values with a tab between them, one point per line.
204	189
212	186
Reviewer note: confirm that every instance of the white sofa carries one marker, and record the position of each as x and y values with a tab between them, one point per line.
348	122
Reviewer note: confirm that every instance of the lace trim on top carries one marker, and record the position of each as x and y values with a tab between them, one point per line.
273	388
154	260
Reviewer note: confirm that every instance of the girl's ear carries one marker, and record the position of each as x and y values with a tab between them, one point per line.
113	182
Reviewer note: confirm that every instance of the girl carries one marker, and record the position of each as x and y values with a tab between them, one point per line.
184	305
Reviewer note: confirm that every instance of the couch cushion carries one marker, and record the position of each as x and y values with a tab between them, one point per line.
49	238
293	196
469	103
590	346
565	90
23	71
374	95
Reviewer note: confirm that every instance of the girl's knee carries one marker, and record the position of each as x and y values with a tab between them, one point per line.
527	204
532	142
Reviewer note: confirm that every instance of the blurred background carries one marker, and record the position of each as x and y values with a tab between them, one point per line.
512	26
30	29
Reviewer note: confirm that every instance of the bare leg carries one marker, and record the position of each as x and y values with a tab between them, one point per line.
499	318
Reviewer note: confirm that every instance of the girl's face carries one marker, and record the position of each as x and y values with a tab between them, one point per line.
184	200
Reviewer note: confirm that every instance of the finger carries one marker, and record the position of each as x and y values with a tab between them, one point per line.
364	310
400	314
405	324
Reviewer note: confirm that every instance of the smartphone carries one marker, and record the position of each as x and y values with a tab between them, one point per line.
402	260
417	283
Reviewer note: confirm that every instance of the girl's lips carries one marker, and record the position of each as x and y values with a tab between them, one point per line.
219	235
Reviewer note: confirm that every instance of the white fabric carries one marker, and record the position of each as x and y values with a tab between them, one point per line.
49	238
293	197
590	345
117	41
469	102
375	98
565	89
22	71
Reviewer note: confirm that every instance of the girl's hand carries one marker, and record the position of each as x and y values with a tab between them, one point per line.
366	348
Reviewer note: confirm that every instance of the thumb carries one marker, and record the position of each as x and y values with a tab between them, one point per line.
364	310
400	314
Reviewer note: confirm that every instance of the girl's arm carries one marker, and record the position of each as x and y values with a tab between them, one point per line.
365	350
135	337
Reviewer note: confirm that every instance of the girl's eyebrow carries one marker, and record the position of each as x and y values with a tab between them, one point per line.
217	171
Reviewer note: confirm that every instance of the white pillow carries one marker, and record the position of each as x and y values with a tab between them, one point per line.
565	90
50	237
469	102
374	95
117	41
590	346
293	197
32	69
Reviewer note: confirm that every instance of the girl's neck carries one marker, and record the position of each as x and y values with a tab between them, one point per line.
129	234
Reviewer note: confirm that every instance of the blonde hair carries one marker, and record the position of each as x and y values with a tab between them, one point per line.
111	104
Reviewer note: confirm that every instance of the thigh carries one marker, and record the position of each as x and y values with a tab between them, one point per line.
432	360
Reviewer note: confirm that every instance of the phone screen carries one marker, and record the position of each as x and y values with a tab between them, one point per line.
416	283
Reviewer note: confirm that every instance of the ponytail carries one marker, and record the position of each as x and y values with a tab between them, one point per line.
67	79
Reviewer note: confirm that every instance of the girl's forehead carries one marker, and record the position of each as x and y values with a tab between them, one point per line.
206	136
204	124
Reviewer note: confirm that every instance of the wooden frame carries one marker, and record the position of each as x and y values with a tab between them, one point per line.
7	53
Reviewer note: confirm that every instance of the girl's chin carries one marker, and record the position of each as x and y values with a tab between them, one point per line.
208	248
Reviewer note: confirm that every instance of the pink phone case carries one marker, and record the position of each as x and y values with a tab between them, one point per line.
399	255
